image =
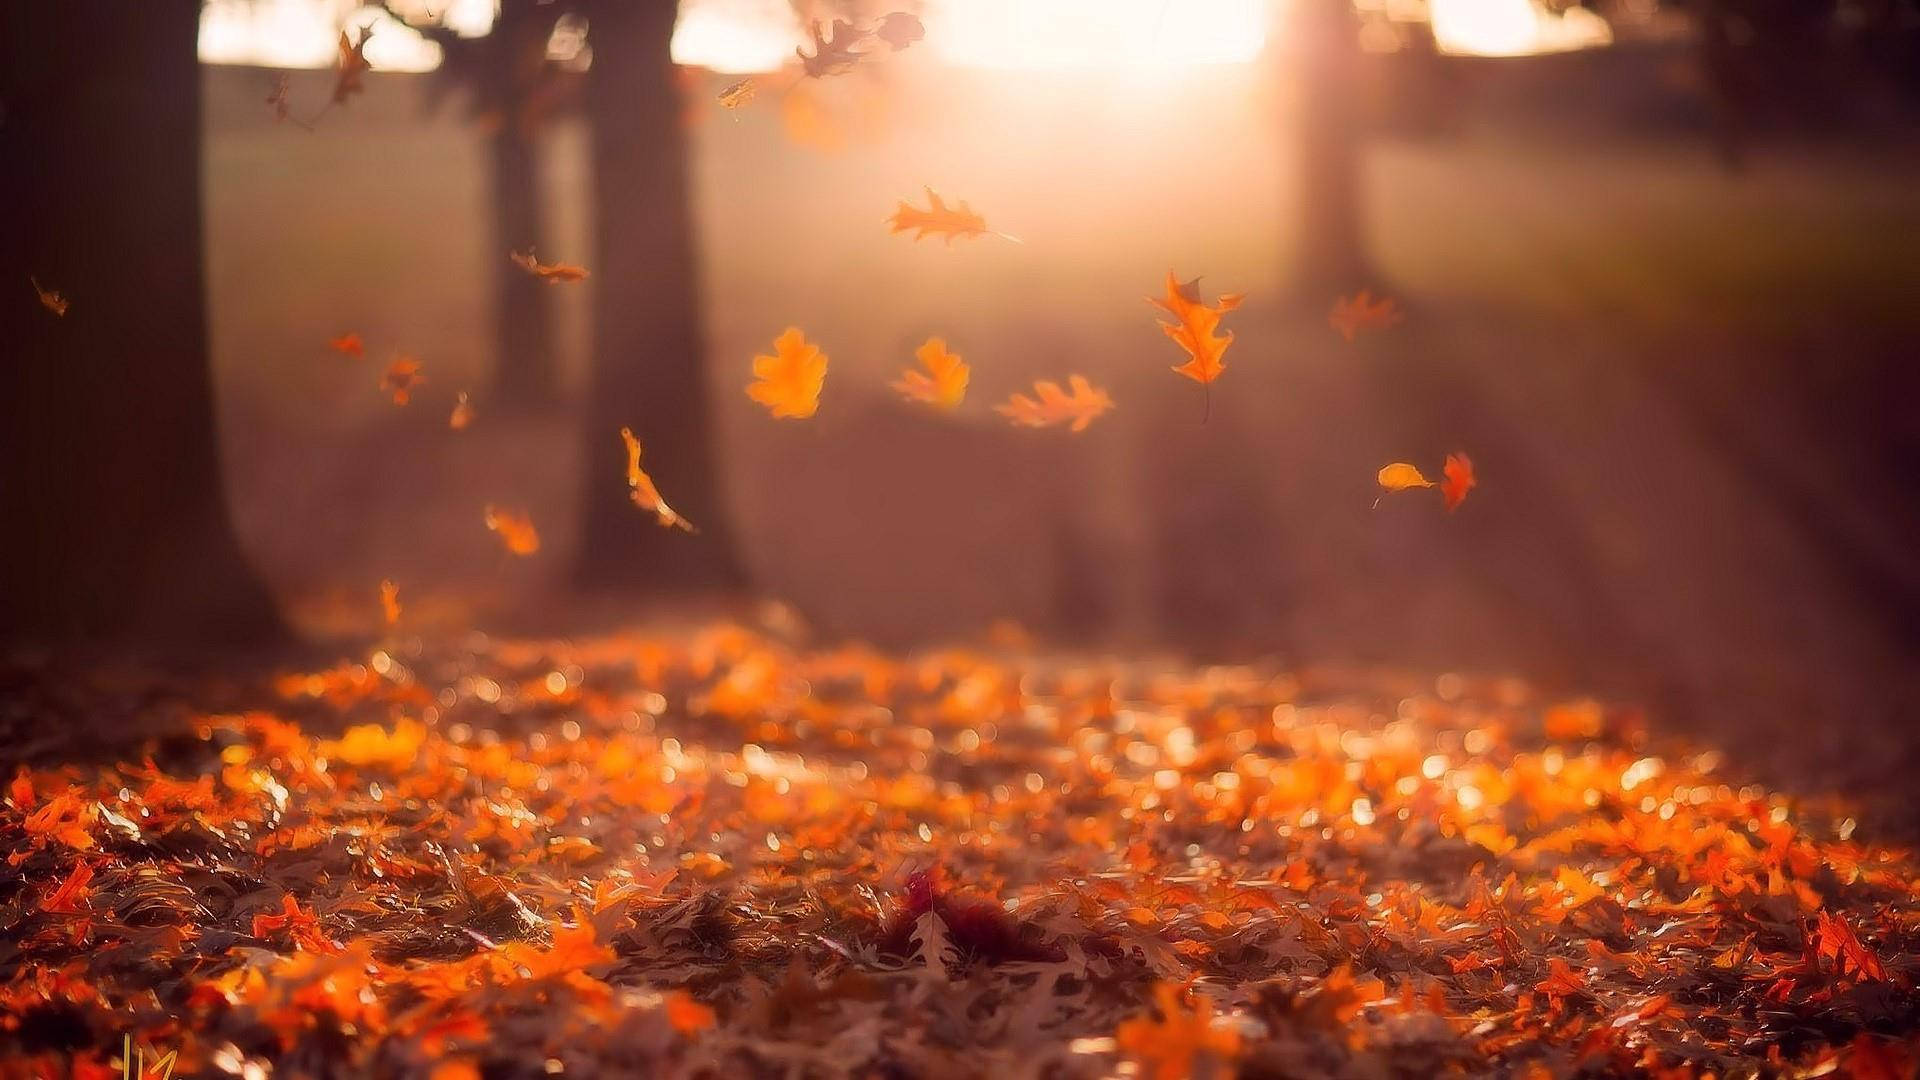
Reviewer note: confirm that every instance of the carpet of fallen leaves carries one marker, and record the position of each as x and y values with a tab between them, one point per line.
718	854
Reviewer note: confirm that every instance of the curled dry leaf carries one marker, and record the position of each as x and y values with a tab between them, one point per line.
1352	314
1194	330
642	490
736	94
789	381
943	384
938	218
401	377
390	601
50	299
552	273
348	344
515	529
462	413
352	65
1082	403
1401	476
1458	479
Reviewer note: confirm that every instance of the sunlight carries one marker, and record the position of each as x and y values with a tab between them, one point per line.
1513	28
302	33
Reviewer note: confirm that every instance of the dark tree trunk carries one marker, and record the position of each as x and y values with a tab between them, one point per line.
649	358
1330	248
525	371
113	523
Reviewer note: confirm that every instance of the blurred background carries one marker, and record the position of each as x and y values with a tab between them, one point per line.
1658	262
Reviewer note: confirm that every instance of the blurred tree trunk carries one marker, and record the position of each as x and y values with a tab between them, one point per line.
649	358
1322	44
113	523
526	375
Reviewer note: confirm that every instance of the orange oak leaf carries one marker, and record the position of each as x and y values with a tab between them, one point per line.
1458	473
401	377
1168	1045
943	384
390	601
50	299
938	218
302	926
1352	314
1082	404
353	64
552	273
688	1017
1194	332
833	52
462	413
642	490
1401	476
734	95
348	344
516	530
789	382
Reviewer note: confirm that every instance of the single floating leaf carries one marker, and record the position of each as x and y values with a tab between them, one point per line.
834	52
552	273
1401	476
939	219
50	299
516	530
348	344
789	382
277	99
401	377
353	64
462	414
1081	404
1352	314
900	29
737	94
943	385
390	601
1194	332
642	490
1458	480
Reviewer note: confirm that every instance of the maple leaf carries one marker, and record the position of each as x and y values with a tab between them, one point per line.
944	384
1082	404
642	490
900	29
50	299
1194	332
303	927
1562	980
353	64
789	381
390	601
1458	472
1352	314
462	413
516	530
401	376
938	218
1837	942
1170	1045
348	344
1401	476
833	52
67	898
737	94
552	273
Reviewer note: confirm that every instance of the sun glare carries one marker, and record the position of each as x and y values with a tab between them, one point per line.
1513	28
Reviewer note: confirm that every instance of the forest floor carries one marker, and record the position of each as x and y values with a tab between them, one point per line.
721	853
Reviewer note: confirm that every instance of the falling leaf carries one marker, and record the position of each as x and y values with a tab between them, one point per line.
516	530
737	94
1352	314
1194	332
789	382
833	52
278	98
939	219
552	273
390	601
900	29
462	414
1458	473
1172	1045
943	384
1082	404
348	344
641	489
1400	476
353	64
401	377
50	299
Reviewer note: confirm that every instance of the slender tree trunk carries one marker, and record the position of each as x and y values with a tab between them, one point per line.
526	374
649	358
1330	248
113	523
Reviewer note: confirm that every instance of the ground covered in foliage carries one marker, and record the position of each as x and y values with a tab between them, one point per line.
720	854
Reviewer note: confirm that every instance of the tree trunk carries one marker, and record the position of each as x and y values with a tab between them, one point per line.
649	358
526	375
113	523
1330	249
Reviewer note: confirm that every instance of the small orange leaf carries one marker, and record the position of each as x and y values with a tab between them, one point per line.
552	273
390	601
1169	1045
789	382
1401	476
401	377
1458	472
50	299
943	385
348	344
516	530
938	218
1194	333
462	414
642	490
688	1016
66	899
1082	404
1352	314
